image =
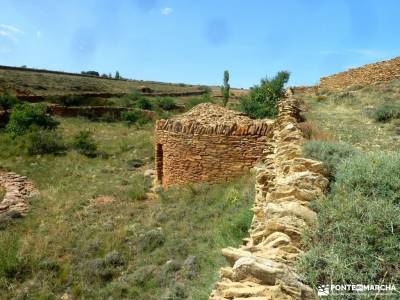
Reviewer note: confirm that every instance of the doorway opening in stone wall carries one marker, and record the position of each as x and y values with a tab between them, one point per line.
159	162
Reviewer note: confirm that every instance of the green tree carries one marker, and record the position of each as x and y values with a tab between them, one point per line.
117	76
263	98
225	88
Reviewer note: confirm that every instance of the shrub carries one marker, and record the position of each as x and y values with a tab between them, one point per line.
131	99
263	98
7	101
355	239
84	144
312	132
384	113
73	100
143	103
166	103
205	88
38	141
192	102
331	154
353	242
140	187
23	116
134	117
152	239
254	109
373	175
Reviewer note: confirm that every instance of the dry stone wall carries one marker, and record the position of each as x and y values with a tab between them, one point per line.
366	75
18	190
93	111
263	268
209	143
184	158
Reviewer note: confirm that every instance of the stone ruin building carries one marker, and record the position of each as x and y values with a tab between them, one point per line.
208	143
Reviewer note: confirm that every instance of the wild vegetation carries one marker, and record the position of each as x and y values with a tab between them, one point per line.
225	88
94	232
47	84
356	239
263	98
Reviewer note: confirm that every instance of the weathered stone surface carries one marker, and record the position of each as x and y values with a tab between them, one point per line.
262	268
208	143
366	75
18	190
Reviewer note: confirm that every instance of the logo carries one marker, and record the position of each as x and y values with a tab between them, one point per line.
366	289
323	290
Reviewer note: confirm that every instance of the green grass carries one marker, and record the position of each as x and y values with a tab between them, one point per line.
45	84
347	116
356	237
71	243
2	193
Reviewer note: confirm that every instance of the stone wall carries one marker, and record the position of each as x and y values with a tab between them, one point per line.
185	157
263	268
18	190
304	89
366	75
92	111
208	143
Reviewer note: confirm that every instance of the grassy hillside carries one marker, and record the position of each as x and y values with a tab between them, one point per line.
46	84
349	115
94	234
357	236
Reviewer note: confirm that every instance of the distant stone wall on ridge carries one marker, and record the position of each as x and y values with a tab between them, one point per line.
366	75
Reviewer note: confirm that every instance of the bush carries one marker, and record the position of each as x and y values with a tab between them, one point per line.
23	116
73	100
7	101
140	186
192	102
331	154
263	98
131	99
152	239
384	113
134	117
312	132
355	240
84	144
143	103
254	109
166	103
38	141
373	175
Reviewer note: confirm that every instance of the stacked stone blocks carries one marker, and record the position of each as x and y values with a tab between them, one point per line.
263	268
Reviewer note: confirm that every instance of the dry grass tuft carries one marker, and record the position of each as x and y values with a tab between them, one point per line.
312	132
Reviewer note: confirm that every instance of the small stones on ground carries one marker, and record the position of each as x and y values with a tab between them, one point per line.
149	173
17	192
104	200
